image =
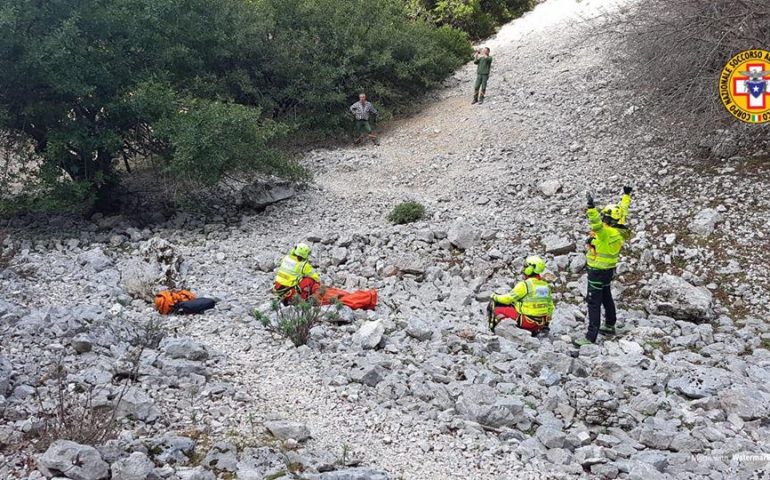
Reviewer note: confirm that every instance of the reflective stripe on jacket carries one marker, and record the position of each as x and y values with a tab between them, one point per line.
603	250
531	297
538	302
293	270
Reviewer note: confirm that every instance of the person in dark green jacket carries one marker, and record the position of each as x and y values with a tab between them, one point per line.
484	62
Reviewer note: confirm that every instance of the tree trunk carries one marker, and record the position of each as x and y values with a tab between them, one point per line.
108	190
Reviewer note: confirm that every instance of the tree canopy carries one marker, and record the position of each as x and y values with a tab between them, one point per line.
208	86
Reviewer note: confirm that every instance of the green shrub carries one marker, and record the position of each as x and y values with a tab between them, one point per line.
477	18
295	321
325	52
202	88
406	212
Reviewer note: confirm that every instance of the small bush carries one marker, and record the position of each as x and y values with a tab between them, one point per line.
73	411
70	414
296	321
406	212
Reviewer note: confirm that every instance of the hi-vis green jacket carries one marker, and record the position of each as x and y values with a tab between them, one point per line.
603	251
293	270
531	297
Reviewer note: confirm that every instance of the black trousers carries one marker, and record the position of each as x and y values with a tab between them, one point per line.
599	295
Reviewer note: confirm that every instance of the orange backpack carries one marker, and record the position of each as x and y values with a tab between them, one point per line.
166	300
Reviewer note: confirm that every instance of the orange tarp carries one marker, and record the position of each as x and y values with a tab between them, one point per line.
360	299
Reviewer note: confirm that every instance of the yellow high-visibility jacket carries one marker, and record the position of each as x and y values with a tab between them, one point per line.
603	251
531	297
292	270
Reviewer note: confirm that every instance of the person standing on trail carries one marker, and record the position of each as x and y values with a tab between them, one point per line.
529	303
608	234
484	62
296	276
362	110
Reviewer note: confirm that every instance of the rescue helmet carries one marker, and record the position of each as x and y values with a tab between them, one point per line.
302	250
534	265
611	214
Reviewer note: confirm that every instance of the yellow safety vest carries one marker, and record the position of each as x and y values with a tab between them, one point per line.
603	250
290	273
538	302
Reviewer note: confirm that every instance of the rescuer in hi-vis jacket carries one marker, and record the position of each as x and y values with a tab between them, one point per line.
529	303
296	276
608	234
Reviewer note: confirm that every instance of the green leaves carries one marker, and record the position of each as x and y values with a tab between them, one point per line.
478	18
406	212
210	138
209	87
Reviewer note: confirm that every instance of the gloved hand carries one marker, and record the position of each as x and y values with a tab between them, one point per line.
627	190
590	200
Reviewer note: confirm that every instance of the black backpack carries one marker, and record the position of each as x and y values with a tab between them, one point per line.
198	305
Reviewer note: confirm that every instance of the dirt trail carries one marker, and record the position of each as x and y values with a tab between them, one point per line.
537	78
451	153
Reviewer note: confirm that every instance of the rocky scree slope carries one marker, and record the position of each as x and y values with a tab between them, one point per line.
419	388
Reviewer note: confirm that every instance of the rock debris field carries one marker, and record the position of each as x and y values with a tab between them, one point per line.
419	388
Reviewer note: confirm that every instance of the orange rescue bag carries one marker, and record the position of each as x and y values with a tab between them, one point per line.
166	300
358	300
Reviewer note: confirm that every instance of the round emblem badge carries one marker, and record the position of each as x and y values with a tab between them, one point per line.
744	86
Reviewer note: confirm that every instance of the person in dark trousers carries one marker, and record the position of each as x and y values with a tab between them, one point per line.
484	62
608	234
362	111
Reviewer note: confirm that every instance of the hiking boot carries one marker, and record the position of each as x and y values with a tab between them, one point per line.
607	329
492	319
582	341
481	100
543	332
475	97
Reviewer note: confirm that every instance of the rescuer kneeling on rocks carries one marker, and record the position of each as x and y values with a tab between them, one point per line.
529	303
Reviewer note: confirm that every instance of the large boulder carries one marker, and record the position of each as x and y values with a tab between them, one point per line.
138	278
558	245
259	463
195	473
136	466
260	194
410	263
462	235
158	266
286	429
6	369
746	402
700	382
355	474
595	401
369	375
222	457
133	403
72	460
369	335
675	297
550	188
705	222
480	403
96	259
419	329
184	348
